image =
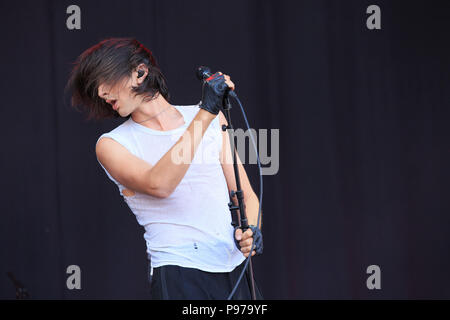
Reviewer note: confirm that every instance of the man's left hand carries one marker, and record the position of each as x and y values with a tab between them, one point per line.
245	240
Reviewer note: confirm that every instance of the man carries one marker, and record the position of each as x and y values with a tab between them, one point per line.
156	158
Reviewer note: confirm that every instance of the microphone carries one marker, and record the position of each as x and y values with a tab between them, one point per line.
204	73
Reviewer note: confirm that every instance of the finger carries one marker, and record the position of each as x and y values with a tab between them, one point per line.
246	254
230	84
247	234
246	243
238	234
246	249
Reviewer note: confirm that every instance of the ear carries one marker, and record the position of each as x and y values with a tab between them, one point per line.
137	80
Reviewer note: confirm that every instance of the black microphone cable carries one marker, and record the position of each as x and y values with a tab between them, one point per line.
202	73
260	197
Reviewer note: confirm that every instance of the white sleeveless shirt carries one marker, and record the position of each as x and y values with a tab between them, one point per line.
192	227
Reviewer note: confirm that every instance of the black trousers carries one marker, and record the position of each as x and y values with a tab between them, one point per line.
180	283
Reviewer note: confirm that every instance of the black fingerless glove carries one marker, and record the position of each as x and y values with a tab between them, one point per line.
213	93
257	239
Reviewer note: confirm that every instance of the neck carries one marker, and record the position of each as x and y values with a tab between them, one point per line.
156	110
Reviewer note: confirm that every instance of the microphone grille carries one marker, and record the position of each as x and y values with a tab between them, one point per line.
202	72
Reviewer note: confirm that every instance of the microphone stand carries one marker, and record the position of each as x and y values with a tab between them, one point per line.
238	193
21	291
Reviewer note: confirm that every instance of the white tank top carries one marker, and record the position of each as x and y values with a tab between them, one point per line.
192	227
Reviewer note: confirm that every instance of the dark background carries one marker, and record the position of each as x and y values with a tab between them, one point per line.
364	152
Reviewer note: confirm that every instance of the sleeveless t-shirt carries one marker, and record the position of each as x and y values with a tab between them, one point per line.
191	227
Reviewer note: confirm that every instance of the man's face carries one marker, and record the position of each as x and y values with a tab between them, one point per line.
119	96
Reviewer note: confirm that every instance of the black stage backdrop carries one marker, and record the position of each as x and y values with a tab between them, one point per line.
364	142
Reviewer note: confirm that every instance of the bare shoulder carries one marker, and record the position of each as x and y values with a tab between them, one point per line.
108	147
126	168
106	144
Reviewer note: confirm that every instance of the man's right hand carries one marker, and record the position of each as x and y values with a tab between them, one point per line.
214	91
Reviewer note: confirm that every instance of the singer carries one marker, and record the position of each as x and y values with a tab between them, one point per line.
156	157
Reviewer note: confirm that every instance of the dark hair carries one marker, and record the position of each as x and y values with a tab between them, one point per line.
109	62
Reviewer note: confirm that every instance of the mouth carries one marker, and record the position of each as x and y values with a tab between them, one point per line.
114	104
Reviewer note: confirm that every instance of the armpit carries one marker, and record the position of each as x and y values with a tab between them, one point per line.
128	193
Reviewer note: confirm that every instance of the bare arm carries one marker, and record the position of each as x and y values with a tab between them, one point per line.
250	198
161	179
